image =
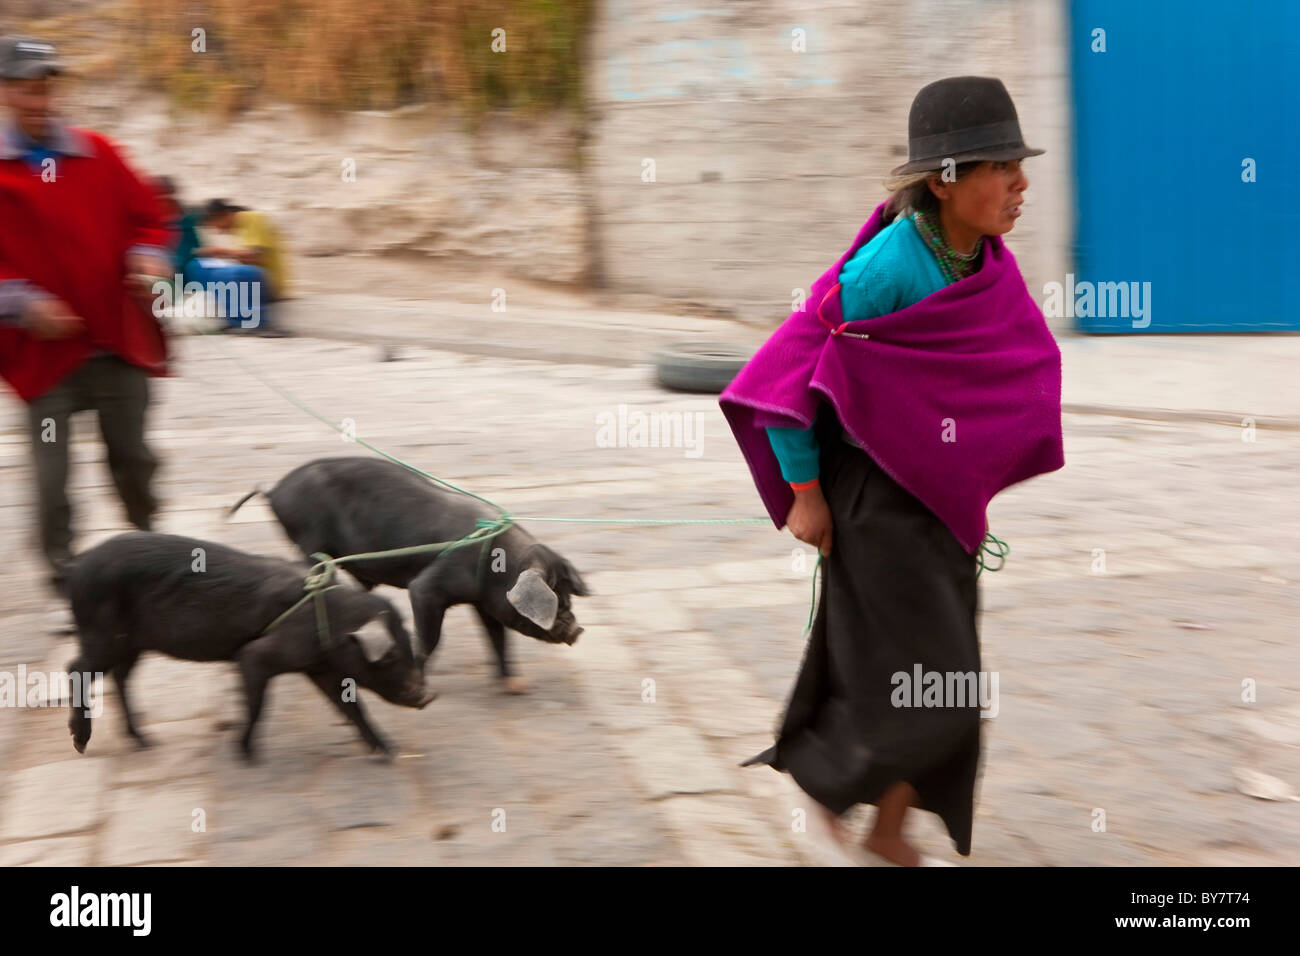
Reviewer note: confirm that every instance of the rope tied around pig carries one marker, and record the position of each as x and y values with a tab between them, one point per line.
320	578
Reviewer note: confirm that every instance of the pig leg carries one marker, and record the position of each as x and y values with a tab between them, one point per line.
259	661
331	685
96	657
511	682
290	648
79	721
121	671
428	606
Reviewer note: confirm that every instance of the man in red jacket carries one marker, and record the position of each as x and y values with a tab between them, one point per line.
80	235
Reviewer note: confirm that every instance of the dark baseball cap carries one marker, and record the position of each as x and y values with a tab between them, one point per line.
218	207
23	58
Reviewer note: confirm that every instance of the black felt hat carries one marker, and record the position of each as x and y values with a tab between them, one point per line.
962	118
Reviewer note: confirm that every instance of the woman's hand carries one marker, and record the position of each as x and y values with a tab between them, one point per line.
809	519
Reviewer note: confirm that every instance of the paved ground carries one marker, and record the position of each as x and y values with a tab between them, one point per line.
1119	690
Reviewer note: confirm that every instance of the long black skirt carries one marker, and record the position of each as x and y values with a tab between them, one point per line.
897	591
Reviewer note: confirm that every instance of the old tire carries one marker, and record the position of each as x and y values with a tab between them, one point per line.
699	366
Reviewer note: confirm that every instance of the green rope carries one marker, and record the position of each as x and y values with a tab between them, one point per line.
1000	550
321	624
321	575
293	400
648	520
812	607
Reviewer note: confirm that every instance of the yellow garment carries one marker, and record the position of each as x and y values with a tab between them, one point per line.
253	230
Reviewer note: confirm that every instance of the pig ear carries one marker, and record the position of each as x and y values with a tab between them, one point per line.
375	639
576	584
533	598
566	575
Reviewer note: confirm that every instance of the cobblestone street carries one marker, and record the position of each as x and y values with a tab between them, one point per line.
1146	582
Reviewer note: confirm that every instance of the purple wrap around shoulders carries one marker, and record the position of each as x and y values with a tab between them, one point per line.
956	396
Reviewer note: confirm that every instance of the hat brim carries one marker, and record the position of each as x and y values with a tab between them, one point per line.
992	154
34	69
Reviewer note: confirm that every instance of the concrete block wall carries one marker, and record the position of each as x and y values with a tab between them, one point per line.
767	160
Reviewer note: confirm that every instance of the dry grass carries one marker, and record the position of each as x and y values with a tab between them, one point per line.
335	54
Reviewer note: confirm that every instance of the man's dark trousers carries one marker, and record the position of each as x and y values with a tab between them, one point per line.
119	393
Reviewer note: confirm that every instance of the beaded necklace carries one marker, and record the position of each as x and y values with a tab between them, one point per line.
953	264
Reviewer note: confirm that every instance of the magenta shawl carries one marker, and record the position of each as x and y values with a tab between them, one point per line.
956	396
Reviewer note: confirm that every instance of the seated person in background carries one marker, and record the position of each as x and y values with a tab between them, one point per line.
171	209
182	226
259	258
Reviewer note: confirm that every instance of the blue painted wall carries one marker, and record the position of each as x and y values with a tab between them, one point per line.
1185	92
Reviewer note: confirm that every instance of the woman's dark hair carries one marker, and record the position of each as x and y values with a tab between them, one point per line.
911	193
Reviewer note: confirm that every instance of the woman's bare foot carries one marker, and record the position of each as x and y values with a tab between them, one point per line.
829	823
828	840
886	837
894	849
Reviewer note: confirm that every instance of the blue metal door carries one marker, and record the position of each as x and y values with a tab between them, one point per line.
1188	100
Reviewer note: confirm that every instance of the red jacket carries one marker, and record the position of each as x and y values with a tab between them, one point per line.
69	237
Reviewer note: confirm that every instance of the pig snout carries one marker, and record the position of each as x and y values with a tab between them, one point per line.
402	685
414	693
566	629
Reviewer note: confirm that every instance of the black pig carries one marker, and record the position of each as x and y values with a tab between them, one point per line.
341	506
142	591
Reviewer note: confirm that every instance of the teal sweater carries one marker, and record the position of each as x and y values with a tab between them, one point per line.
892	271
189	241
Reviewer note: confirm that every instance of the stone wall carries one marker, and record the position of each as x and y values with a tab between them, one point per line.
765	160
509	195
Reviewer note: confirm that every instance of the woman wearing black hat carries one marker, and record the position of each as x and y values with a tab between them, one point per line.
919	381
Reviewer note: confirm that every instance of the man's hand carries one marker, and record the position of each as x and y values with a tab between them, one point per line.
809	519
49	318
149	264
144	269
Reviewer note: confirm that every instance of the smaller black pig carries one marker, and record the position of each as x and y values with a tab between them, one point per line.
341	506
201	601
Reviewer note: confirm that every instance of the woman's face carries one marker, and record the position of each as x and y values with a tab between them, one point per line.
987	199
